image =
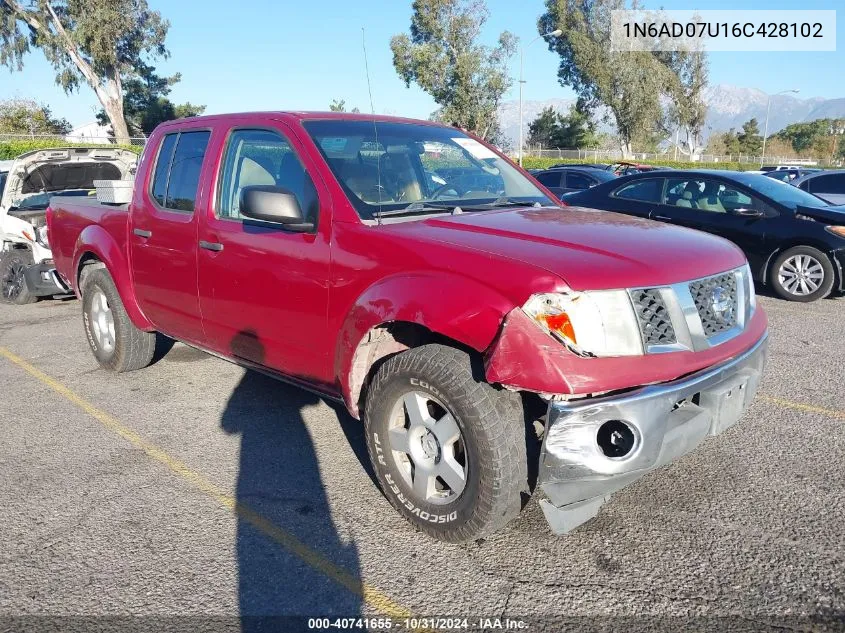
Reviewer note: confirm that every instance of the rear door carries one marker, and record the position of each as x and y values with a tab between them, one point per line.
830	187
263	288
577	181
163	235
637	197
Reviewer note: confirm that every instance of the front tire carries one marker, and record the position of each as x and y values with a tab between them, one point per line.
115	341
802	274
13	287
448	449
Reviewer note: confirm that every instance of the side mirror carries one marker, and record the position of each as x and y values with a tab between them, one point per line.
748	213
274	204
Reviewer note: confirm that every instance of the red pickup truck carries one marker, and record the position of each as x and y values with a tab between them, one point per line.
413	272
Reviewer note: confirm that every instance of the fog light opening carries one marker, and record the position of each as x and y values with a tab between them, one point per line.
616	438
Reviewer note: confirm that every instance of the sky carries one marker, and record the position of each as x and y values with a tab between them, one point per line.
284	55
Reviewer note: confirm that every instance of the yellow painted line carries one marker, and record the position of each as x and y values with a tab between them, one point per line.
371	595
800	406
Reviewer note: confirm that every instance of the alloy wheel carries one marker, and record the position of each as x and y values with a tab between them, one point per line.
801	275
428	448
102	321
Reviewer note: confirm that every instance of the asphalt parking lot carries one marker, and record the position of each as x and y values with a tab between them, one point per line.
193	488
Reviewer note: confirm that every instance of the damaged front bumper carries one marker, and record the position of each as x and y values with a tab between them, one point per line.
42	280
597	446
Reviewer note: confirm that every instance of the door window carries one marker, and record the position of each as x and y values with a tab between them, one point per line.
550	178
829	183
648	190
577	181
263	157
177	172
708	195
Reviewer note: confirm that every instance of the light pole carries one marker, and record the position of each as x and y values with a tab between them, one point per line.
768	108
554	33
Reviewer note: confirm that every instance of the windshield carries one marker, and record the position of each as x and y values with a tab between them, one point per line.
389	168
783	193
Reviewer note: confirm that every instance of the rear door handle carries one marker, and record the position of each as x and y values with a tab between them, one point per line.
211	246
142	233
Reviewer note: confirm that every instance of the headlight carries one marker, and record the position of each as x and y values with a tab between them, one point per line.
752	294
41	236
598	323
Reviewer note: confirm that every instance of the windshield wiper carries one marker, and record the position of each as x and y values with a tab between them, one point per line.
501	203
416	207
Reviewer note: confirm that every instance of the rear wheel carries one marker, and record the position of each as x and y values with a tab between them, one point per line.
803	274
12	281
448	449
115	341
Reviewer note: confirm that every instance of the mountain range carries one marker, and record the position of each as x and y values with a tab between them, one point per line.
727	107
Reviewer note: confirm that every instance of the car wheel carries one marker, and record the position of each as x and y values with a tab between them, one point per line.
448	449
802	273
12	281
117	344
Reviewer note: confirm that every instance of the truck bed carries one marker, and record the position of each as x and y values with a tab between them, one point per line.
68	217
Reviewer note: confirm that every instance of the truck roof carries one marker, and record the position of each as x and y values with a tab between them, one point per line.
298	115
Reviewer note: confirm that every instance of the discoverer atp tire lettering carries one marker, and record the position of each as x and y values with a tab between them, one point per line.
492	443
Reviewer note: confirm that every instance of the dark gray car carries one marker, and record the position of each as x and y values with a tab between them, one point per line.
563	180
828	185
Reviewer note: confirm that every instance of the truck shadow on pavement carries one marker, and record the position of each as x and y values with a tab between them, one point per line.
280	494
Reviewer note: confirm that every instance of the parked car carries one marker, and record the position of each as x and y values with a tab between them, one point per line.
625	168
827	185
794	241
593	165
565	179
788	176
26	265
312	247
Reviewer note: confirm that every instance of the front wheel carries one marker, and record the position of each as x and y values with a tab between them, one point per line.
803	274
448	449
115	341
13	288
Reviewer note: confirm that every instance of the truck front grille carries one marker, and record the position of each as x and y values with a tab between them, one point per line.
655	323
716	301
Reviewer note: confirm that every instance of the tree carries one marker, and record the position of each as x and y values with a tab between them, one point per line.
24	116
96	41
821	136
628	83
750	139
688	111
576	129
543	129
339	105
442	55
145	102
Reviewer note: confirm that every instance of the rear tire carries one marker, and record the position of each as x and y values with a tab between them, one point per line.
13	288
802	274
115	341
429	413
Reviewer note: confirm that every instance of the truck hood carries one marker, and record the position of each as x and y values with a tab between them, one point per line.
588	249
65	168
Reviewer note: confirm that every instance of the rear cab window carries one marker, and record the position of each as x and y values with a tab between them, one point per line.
177	170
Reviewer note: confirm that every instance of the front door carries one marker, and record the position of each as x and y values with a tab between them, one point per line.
163	236
717	207
264	289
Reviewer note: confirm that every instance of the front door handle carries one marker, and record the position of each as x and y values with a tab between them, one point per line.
661	217
142	233
211	246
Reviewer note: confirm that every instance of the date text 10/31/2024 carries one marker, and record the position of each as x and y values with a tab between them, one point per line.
414	624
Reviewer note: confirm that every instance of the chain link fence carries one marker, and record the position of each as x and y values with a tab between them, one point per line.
609	156
70	139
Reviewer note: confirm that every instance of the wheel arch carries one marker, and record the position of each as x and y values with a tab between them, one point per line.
765	273
401	313
96	246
